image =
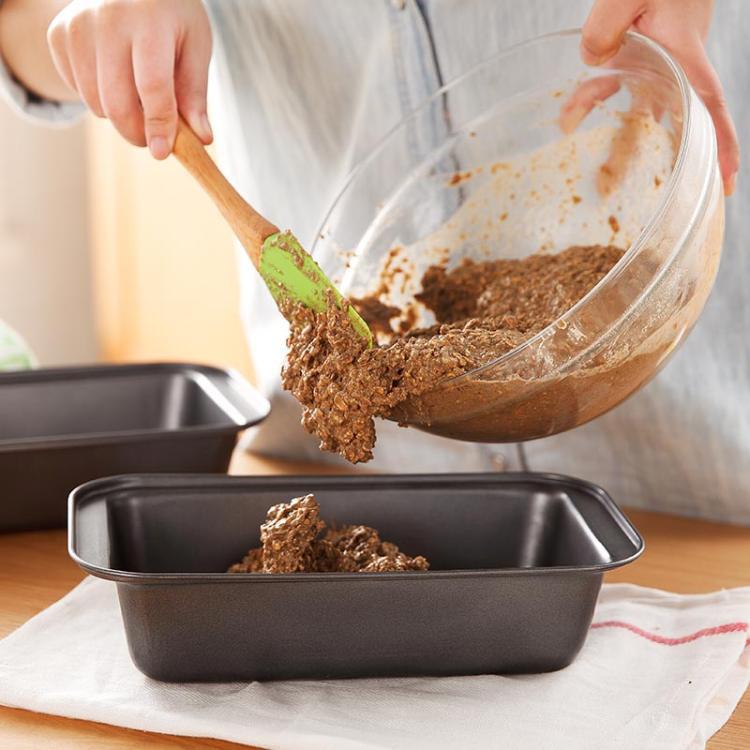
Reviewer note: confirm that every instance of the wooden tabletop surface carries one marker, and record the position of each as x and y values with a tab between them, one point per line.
681	555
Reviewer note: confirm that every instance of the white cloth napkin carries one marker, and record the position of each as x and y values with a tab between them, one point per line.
657	671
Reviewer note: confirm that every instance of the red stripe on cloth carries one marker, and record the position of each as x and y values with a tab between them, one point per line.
729	627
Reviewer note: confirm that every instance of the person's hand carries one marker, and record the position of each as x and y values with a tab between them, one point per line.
681	27
138	63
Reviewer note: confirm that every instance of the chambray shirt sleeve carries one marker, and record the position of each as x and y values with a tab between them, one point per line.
33	107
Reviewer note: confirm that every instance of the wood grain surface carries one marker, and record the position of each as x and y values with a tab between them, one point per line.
682	555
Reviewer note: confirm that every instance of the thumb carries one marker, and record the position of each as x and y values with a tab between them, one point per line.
605	27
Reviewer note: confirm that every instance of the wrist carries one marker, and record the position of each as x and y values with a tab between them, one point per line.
24	50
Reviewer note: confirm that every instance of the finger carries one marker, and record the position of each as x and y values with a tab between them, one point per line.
605	28
191	83
81	54
117	90
154	70
645	98
622	150
58	48
705	81
585	97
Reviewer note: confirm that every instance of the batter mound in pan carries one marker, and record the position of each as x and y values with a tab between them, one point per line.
292	543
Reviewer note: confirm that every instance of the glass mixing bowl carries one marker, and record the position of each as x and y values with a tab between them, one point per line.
484	170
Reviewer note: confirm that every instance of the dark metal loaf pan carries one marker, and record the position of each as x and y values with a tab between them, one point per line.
62	427
517	563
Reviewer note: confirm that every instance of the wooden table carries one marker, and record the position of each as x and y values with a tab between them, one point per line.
682	555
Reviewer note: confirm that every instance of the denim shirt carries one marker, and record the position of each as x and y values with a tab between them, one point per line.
305	91
301	91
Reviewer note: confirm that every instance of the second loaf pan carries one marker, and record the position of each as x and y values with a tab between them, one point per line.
61	427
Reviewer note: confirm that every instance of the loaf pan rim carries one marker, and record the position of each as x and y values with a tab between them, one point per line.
47	442
207	481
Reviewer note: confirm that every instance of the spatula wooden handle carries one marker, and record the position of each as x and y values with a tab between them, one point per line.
250	227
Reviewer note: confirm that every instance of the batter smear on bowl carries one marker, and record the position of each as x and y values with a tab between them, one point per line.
483	310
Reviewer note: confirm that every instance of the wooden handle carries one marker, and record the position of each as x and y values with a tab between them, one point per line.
250	227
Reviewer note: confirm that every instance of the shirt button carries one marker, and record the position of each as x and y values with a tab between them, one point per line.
398	4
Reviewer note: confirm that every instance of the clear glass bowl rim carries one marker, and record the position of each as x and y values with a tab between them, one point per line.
669	193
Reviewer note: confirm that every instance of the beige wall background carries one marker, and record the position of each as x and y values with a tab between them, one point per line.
107	254
163	261
45	261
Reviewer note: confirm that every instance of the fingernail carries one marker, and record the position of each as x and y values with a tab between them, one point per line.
208	134
731	184
158	147
592	59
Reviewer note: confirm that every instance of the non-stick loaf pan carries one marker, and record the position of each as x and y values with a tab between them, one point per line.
62	427
516	567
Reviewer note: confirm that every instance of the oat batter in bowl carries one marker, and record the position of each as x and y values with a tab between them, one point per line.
483	310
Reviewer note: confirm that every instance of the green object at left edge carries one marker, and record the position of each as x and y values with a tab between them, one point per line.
290	273
14	352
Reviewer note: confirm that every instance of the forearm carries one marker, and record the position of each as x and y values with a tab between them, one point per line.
23	46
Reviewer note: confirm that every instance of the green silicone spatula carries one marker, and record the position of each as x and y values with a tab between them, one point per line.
288	270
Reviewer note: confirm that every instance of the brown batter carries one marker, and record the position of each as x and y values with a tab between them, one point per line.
291	544
483	310
288	534
377	314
